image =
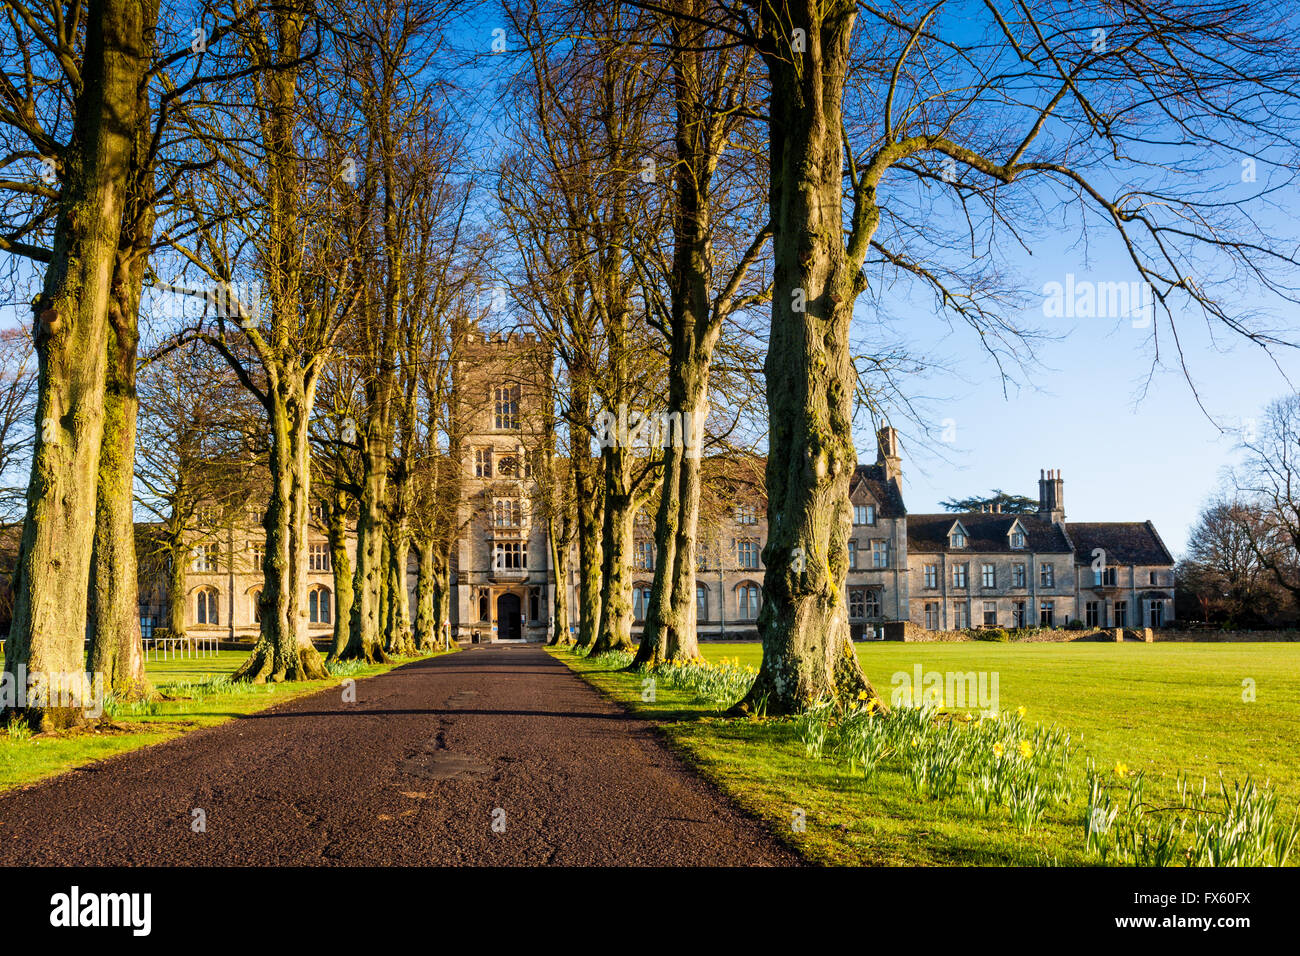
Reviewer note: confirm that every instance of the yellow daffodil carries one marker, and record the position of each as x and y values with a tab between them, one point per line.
1026	749
997	750
862	695
1121	769
1020	711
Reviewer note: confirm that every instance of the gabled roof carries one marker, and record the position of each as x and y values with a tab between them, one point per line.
885	491
986	532
1125	542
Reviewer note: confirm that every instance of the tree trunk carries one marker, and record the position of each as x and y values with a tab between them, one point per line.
442	598
116	647
399	602
807	653
51	582
426	635
365	631
590	521
177	599
615	630
560	563
283	650
341	561
670	626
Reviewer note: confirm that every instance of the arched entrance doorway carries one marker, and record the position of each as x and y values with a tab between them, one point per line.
509	618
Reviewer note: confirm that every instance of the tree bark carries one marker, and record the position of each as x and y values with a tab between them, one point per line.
590	521
560	564
807	652
670	626
365	633
400	643
341	561
52	579
284	650
116	646
426	637
615	630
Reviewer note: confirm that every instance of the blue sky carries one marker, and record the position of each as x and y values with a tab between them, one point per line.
1124	455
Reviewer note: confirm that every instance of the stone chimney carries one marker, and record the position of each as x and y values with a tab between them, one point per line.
887	452
1051	494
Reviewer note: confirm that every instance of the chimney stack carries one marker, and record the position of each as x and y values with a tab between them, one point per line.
887	452
1051	494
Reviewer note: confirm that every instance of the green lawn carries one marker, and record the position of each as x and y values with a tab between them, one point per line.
186	702
1156	708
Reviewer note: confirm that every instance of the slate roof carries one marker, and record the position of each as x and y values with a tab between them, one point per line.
1125	542
889	499
987	533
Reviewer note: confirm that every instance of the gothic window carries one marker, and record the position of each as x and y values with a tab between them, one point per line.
205	606
747	597
506	407
318	605
483	463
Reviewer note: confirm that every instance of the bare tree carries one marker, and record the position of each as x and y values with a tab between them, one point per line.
1043	106
1268	521
93	157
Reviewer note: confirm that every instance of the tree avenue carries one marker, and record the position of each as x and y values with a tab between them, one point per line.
266	243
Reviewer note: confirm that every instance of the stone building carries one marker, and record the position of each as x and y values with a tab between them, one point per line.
223	583
504	578
990	569
944	571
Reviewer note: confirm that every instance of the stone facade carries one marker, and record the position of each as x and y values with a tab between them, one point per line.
940	572
224	580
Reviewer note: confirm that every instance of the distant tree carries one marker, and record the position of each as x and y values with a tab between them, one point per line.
1270	478
17	409
998	499
1222	572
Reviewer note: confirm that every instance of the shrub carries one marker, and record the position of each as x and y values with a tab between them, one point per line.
991	634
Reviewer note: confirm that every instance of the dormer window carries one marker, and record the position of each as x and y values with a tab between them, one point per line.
864	514
957	536
1017	537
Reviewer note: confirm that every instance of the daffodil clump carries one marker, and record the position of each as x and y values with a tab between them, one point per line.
991	762
1237	827
721	682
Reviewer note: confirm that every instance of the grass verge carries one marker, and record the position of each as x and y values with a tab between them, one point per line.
1160	710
